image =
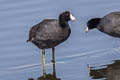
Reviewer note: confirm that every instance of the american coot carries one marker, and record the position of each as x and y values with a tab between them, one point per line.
51	32
109	24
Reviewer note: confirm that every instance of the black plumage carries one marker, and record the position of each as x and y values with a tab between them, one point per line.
109	24
49	33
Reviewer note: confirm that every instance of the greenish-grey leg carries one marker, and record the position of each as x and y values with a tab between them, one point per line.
43	57
53	55
54	72
53	61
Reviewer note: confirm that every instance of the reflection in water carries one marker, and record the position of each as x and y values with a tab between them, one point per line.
48	76
111	72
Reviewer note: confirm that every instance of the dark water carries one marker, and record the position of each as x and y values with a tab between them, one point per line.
109	72
22	61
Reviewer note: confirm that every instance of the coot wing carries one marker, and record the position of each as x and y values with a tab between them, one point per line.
49	29
110	24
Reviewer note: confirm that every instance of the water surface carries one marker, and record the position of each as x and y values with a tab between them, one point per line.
21	61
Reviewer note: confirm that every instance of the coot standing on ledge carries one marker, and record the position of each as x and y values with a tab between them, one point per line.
51	32
109	24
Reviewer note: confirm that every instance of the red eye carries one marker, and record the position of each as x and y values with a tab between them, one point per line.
67	14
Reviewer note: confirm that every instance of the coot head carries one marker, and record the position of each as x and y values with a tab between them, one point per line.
66	16
92	23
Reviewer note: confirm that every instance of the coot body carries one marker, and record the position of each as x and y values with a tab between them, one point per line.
48	33
51	32
109	24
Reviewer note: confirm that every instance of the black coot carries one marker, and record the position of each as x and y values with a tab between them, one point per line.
109	24
51	32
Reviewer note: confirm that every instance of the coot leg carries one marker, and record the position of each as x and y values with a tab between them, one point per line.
43	57
53	55
53	61
54	72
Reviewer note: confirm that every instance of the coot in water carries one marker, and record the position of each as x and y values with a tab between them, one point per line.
51	32
109	24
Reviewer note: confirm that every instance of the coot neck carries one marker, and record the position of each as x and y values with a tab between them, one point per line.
63	23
